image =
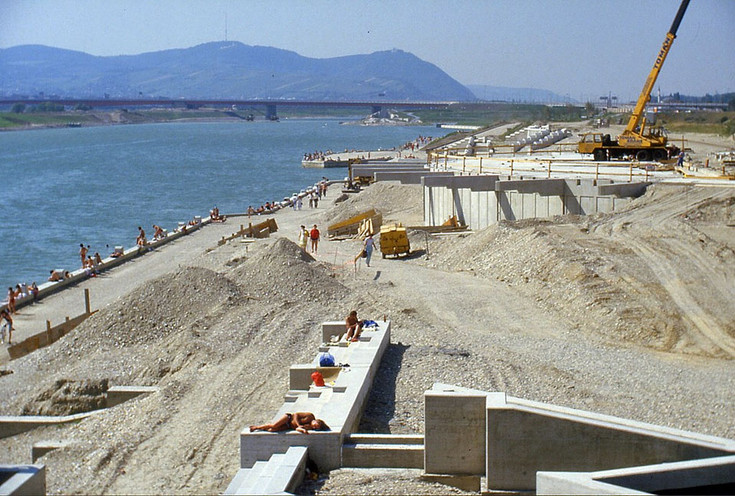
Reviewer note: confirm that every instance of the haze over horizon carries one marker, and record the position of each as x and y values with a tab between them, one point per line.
575	47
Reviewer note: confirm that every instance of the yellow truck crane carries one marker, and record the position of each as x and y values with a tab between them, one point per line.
637	140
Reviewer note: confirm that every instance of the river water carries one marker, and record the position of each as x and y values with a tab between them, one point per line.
95	185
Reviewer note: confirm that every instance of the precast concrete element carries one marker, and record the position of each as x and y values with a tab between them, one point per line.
339	404
10	425
22	480
121	394
300	375
383	451
40	448
454	427
524	437
519	438
480	201
708	476
281	474
407	177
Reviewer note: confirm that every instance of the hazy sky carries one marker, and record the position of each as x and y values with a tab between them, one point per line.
580	48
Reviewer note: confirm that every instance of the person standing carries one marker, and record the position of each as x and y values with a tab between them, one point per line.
314	236
8	325
83	253
303	237
369	245
11	300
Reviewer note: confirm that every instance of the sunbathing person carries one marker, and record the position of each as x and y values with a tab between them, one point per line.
353	326
300	421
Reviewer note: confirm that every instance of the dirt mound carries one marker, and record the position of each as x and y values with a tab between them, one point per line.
280	269
67	397
168	303
397	202
609	274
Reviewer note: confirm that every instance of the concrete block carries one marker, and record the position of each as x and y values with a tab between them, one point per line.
454	432
22	480
121	394
40	448
366	455
525	437
332	328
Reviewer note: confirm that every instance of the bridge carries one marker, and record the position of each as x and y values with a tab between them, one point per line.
269	104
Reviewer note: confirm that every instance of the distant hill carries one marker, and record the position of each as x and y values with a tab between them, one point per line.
508	94
224	70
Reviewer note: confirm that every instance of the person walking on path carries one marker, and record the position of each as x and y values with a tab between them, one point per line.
303	237
83	253
369	245
8	325
314	236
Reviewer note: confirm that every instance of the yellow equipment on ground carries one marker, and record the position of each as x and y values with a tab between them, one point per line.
394	240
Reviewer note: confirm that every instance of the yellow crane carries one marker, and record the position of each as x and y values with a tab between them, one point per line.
637	139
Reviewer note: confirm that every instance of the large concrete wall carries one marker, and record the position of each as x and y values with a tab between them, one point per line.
480	201
510	440
524	437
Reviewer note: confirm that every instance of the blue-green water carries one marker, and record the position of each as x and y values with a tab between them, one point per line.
62	187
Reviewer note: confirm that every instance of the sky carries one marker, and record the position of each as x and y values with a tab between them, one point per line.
580	48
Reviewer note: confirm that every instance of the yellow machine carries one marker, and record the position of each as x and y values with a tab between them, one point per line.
393	240
637	140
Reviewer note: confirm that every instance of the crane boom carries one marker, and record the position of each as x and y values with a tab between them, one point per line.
645	95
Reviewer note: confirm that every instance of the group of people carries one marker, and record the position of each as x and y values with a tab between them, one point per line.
266	208
20	291
306	236
316	155
417	143
216	216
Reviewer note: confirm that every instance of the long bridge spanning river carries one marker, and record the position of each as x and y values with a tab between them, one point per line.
270	105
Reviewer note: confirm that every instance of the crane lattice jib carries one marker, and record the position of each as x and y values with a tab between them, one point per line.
645	95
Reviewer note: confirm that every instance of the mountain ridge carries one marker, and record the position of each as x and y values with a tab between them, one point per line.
225	70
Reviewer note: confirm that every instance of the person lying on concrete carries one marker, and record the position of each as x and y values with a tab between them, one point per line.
353	326
300	421
56	275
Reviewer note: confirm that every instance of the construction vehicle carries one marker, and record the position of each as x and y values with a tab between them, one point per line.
394	240
637	140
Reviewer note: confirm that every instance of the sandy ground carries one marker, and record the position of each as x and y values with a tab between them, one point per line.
629	314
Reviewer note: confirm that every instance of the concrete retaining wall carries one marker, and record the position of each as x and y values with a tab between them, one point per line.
480	201
22	480
515	439
525	437
708	476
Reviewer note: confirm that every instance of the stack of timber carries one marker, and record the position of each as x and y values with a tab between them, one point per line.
261	230
360	224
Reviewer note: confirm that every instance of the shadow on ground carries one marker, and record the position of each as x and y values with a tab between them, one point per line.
381	404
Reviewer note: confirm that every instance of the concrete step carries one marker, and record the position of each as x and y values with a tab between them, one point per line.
382	455
245	478
282	473
385	439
